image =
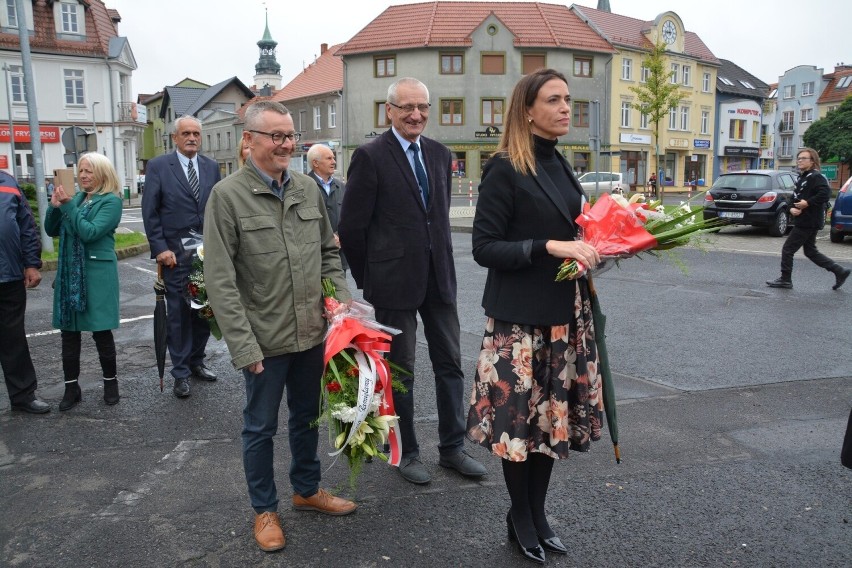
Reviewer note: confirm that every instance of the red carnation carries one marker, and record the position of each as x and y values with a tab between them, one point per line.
333	386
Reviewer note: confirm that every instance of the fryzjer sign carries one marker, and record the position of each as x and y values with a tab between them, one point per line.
47	134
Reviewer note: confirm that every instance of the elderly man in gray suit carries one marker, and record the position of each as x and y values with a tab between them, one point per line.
322	162
177	186
395	231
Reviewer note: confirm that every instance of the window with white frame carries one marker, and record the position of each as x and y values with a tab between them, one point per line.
675	73
69	18
806	115
684	118
644	120
686	75
786	146
645	74
625	114
787	121
746	84
755	131
801	141
74	92
673	118
317	118
736	130
726	81
332	115
16	80
790	91
705	122
807	89
627	69
11	14
705	83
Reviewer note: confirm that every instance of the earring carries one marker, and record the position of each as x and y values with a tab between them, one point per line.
529	120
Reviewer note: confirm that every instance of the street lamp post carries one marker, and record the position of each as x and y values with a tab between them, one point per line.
13	165
94	129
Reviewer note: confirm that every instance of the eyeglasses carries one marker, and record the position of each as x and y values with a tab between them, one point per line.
803	158
408	109
278	138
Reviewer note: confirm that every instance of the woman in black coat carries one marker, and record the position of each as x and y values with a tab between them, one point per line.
808	211
537	391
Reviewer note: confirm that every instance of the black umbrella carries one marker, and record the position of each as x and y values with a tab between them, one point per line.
160	325
606	373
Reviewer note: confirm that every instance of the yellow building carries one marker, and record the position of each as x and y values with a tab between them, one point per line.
686	136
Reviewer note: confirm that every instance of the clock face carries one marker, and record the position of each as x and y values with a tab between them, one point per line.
669	32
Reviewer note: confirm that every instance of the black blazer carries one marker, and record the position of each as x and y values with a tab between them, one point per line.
169	210
333	203
514	211
388	236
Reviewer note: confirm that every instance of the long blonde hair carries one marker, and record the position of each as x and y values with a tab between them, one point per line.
517	140
105	174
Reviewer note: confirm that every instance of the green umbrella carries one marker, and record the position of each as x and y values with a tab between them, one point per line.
606	373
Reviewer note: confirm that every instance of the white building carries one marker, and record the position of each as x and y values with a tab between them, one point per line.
81	72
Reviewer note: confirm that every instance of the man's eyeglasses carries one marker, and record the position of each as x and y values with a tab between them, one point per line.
803	159
408	109
278	138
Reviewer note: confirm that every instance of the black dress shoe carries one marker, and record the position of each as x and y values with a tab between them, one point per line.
779	283
181	389
533	553
840	278
34	406
73	395
202	373
553	544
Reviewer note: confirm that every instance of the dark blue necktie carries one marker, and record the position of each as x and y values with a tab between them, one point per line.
421	175
193	181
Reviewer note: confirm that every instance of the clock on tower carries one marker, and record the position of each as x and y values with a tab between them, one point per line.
669	32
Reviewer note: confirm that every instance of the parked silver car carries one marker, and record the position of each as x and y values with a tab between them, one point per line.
602	182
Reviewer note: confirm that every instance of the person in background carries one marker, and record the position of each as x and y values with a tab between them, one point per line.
49	189
20	261
268	246
86	291
322	163
395	232
808	211
177	186
242	153
537	388
652	184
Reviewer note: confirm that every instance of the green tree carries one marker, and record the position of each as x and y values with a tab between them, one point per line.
831	135
657	96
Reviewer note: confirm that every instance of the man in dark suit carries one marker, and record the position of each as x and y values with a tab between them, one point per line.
395	232
177	186
322	162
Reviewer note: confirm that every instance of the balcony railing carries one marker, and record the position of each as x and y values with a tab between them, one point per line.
127	113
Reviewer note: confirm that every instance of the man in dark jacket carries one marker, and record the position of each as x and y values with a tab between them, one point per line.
20	260
808	211
322	162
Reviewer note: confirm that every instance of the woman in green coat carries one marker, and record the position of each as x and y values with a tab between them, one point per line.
85	296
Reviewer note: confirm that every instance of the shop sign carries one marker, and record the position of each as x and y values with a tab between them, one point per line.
701	143
489	132
630	138
47	134
679	143
741	151
372	134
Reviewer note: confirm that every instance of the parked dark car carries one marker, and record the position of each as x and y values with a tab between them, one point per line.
752	197
841	214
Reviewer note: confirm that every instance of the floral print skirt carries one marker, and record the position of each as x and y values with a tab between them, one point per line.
538	388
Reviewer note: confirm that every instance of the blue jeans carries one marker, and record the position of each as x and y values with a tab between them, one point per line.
300	373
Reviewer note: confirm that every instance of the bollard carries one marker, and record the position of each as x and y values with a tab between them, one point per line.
460	186
470	193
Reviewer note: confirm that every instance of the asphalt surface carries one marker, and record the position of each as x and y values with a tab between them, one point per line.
733	399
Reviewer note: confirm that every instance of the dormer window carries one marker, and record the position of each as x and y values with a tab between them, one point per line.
70	20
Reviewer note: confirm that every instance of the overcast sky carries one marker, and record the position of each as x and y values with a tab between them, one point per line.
212	40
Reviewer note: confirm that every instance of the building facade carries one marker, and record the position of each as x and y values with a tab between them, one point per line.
470	55
797	95
82	74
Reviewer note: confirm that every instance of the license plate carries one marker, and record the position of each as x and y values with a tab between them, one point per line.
731	214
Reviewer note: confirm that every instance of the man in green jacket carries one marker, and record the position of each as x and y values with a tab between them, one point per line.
268	245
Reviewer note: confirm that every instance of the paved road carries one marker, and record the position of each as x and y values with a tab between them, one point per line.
732	402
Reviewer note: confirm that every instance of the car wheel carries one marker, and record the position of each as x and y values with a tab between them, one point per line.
836	236
779	225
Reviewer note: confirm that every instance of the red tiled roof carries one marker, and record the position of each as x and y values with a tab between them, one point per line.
100	28
322	76
450	24
625	31
833	94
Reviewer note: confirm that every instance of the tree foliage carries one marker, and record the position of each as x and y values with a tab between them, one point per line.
658	95
831	136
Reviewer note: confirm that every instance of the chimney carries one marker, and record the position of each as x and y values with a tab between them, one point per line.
323	48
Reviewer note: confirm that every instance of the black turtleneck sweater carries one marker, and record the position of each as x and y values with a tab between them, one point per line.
545	154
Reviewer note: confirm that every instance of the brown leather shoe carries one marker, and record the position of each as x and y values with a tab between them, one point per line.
324	502
268	533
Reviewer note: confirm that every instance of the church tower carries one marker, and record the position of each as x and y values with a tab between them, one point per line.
268	70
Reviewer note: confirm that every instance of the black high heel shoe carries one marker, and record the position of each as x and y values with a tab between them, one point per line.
533	553
73	395
553	544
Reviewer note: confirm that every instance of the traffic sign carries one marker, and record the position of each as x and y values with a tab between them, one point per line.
829	171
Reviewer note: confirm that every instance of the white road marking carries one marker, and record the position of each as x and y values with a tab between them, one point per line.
125	320
168	465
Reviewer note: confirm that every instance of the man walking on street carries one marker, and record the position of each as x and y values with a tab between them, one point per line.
177	186
20	260
322	163
268	246
395	232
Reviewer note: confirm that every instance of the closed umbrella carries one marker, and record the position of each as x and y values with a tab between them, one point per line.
160	325
606	373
